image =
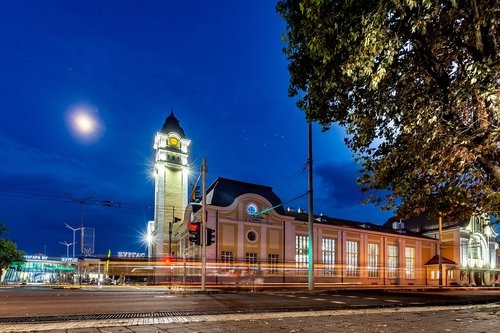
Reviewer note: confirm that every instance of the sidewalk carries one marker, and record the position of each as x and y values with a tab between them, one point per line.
477	318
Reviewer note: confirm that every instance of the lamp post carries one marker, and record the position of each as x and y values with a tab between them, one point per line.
170	225
440	262
310	224
74	230
67	247
203	224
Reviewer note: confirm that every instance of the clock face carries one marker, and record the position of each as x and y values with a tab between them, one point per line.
251	209
173	141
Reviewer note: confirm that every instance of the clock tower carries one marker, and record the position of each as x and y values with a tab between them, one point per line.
171	171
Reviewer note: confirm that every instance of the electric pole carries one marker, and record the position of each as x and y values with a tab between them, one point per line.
203	224
310	246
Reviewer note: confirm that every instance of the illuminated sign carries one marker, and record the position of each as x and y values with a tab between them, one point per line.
131	255
69	259
35	257
251	220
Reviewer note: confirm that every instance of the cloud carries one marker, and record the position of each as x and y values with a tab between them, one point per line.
337	182
25	167
29	169
33	184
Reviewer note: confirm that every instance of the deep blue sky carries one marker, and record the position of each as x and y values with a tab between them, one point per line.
219	65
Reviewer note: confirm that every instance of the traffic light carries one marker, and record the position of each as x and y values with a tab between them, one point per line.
195	232
168	260
210	236
195	194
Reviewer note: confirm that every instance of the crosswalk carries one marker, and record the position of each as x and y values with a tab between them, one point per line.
328	298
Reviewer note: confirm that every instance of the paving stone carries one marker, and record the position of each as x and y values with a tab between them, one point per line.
117	329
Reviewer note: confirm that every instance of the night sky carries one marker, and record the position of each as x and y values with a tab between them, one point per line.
219	66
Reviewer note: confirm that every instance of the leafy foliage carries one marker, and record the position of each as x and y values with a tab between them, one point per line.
416	85
8	251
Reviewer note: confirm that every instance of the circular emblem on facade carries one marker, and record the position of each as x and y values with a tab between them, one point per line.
173	141
252	236
251	209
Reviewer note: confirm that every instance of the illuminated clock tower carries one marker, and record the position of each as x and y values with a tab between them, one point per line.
171	171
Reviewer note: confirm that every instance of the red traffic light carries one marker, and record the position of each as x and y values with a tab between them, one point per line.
195	232
168	260
193	226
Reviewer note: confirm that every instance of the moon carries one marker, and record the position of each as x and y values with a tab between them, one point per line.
84	123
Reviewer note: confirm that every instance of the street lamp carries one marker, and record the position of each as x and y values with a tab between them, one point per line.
67	247
74	230
310	224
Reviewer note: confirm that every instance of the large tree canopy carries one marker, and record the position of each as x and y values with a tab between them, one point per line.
416	85
8	251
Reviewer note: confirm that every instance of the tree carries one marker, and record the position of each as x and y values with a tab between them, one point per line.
8	251
416	86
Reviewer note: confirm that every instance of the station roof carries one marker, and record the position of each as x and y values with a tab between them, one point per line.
224	191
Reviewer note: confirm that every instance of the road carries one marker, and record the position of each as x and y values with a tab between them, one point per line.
30	302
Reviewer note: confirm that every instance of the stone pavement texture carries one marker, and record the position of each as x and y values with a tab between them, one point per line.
473	318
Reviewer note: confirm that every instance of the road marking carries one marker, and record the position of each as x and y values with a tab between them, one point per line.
303	297
319	299
337	302
371	298
391	300
352	296
165	296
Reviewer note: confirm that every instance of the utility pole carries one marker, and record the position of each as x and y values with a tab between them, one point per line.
440	254
170	232
82	202
310	247
203	224
105	203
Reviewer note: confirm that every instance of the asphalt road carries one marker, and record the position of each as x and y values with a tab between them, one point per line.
29	302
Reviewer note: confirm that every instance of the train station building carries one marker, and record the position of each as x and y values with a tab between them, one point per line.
273	246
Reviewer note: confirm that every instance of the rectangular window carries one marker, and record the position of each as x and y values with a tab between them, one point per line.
464	262
410	262
434	275
227	260
328	256
352	258
301	253
392	261
475	249
251	258
227	257
373	259
272	261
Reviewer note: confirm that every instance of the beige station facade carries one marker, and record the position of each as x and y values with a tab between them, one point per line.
272	248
